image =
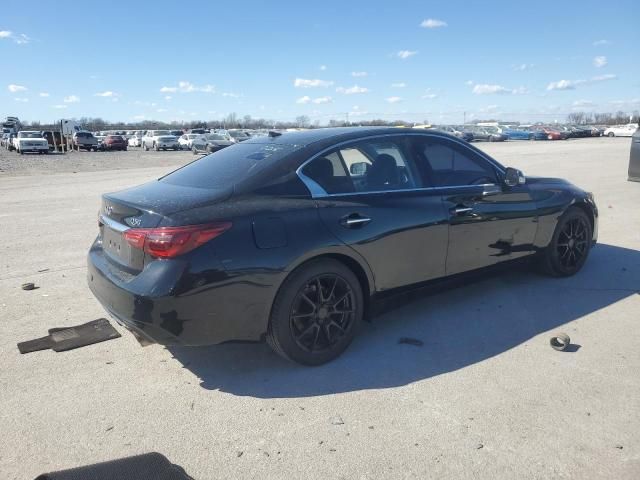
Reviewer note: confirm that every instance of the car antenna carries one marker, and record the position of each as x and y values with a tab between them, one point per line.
273	133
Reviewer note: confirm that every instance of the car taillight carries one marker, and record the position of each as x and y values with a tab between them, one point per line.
169	242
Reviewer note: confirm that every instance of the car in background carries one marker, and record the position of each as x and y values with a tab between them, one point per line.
85	141
160	140
621	130
283	240
550	133
186	140
176	133
458	132
199	131
30	141
209	143
54	138
5	139
515	133
634	158
114	142
135	140
238	135
488	134
8	142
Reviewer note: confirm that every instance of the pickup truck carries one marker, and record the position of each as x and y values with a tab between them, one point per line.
30	141
86	141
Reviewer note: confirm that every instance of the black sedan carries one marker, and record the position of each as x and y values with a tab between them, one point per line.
209	143
290	237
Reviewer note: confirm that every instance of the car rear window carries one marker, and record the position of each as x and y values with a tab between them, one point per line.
229	166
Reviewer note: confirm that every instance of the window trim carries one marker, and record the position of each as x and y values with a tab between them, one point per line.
318	192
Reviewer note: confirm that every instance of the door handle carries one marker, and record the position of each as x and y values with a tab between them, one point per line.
461	210
354	220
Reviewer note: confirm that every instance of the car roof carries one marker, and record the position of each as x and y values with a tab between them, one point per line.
308	137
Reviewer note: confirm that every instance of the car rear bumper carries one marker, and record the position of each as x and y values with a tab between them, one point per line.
168	304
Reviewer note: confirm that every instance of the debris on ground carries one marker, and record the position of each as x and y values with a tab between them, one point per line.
28	286
479	446
619	447
239	453
337	421
560	341
68	338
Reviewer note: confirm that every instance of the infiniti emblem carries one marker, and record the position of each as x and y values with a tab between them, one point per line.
133	221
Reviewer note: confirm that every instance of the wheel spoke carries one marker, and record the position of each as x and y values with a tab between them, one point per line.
342	298
309	301
315	338
306	331
319	287
333	289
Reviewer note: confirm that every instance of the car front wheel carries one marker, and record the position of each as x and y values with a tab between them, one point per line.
611	134
570	245
316	313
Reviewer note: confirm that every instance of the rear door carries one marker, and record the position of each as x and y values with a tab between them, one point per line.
370	197
488	222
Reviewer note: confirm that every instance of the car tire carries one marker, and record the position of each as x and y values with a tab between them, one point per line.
124	149
570	244
194	150
145	147
156	148
333	294
611	134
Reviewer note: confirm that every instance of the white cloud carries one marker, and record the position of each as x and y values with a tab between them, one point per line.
600	43
13	88
59	107
393	99
20	38
404	54
352	90
469	82
108	93
231	95
433	23
168	97
430	96
582	103
359	74
572	84
486	89
21	100
161	110
600	61
43	94
310	83
322	100
522	67
398	85
304	100
71	99
323	67
188	87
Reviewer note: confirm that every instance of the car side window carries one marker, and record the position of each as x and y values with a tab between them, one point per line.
372	165
443	163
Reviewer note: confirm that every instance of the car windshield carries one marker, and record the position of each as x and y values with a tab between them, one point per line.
229	166
157	133
29	134
215	136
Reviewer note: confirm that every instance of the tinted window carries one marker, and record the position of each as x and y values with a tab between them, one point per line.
365	166
444	163
229	166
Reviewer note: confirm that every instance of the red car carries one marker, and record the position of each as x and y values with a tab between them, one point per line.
114	142
552	134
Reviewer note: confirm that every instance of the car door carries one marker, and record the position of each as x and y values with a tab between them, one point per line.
370	196
488	222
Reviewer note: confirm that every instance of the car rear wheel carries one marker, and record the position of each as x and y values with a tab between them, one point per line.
145	147
194	150
570	245
316	313
611	134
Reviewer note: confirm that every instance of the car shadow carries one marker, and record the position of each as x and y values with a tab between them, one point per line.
447	331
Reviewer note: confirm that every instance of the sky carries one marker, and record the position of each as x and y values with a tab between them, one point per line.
444	62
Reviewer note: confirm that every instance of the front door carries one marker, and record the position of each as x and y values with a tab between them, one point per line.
375	203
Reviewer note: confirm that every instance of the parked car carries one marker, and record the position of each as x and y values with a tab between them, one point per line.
458	132
198	131
488	134
186	140
85	141
8	142
176	133
634	157
5	139
288	223
135	140
30	141
114	142
621	130
160	140
54	138
515	133
210	142
550	133
238	135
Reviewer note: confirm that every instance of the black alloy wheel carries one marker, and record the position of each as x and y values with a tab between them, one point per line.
570	244
316	312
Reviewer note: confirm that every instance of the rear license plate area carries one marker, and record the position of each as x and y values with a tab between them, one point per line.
116	246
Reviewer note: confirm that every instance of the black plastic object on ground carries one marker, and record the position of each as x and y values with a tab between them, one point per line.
149	466
560	341
68	338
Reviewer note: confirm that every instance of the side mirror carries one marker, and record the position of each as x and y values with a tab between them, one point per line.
358	168
513	177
